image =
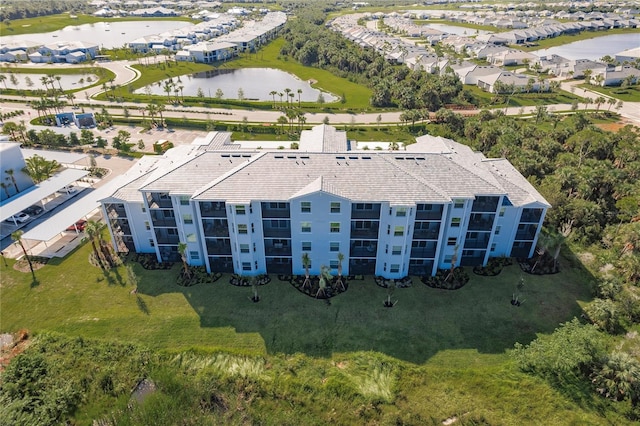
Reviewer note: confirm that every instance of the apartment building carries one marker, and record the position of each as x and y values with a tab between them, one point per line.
390	213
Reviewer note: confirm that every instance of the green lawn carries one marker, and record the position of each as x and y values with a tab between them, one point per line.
436	354
625	94
78	299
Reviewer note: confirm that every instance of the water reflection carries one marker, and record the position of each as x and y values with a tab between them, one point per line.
594	48
260	84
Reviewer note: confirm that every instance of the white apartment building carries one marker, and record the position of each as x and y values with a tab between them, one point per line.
390	213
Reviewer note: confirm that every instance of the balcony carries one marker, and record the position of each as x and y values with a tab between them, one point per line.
531	216
277	248
164	223
364	229
426	231
165	239
275	210
429	211
479	242
365	211
280	266
521	249
215	227
481	222
120	227
420	267
213	209
485	204
474	258
157	201
363	249
526	232
362	267
115	211
270	231
221	264
218	246
423	252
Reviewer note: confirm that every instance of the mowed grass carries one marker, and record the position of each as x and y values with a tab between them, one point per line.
78	299
435	355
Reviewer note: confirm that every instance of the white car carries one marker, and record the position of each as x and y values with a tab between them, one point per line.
68	189
20	217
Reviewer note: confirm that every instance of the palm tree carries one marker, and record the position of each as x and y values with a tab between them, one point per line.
619	377
59	84
3	79
160	109
39	168
182	249
6	189
273	93
71	97
12	178
325	276
340	259
17	236
287	91
92	231
299	93
306	262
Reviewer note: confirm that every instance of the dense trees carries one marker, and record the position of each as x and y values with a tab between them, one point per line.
392	85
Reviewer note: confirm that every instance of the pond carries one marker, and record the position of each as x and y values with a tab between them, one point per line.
255	83
33	81
594	48
456	30
105	34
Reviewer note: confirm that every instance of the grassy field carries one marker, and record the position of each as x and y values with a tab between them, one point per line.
103	74
625	94
44	24
434	355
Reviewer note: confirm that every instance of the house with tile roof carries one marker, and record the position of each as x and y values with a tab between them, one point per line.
390	213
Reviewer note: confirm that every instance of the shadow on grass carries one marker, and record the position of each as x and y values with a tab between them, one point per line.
424	322
142	305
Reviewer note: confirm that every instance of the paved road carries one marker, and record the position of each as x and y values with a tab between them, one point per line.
126	74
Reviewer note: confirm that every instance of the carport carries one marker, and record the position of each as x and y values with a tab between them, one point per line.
39	192
49	239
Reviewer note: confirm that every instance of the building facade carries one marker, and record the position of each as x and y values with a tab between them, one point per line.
389	213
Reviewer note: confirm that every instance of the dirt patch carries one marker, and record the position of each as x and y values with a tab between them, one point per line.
23	266
11	345
611	127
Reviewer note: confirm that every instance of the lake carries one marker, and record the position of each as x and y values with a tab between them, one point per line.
456	30
105	34
256	84
594	48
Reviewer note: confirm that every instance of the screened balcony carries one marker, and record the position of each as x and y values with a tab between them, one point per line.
363	249
477	240
481	222
426	230
526	232
429	211
218	246
531	216
215	227
365	211
213	209
275	210
364	229
276	247
485	204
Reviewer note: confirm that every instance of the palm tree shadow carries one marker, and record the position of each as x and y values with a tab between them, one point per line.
142	305
34	282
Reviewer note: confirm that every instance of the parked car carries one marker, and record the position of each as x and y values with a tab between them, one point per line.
68	189
20	217
33	210
79	226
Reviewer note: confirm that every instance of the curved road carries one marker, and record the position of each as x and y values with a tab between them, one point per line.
125	74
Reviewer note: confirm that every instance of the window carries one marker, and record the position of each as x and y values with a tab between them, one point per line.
333	264
335	207
401	211
278	206
398	231
305	207
493	247
306	227
502	210
334	227
334	246
396	250
240	210
191	238
151	243
144	209
146	225
246	266
458	204
395	267
448	258
244	248
242	229
194	255
452	241
306	246
498	229
184	200
188	218
455	222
